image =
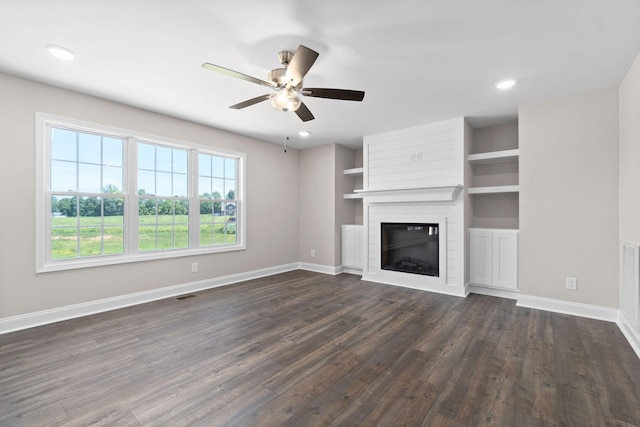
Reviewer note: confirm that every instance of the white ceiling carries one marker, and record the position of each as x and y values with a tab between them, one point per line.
418	61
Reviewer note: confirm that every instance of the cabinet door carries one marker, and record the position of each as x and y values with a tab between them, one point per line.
359	261
348	246
352	246
505	259
480	254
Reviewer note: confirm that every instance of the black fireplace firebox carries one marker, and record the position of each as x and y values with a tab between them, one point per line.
410	248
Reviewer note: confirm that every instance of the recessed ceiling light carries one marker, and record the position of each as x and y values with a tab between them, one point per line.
304	133
60	52
505	84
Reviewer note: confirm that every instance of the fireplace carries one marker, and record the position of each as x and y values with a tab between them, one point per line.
410	248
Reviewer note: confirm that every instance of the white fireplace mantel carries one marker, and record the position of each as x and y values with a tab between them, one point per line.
408	195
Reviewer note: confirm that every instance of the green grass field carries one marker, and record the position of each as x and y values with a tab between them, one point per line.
70	239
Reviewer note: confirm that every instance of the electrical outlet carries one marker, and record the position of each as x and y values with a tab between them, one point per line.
194	267
572	283
313	252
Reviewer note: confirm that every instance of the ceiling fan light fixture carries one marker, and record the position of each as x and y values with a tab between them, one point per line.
60	52
304	133
285	100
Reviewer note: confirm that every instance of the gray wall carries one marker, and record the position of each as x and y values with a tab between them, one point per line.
629	101
317	205
569	198
272	205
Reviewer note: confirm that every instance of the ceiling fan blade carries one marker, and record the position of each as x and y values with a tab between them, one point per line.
343	94
237	75
300	64
250	102
304	113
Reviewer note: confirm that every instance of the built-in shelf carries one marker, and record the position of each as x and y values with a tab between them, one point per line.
352	196
497	189
354	171
493	157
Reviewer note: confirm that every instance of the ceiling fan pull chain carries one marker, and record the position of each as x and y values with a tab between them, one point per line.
286	133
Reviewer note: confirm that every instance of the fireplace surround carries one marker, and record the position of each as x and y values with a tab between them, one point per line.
415	176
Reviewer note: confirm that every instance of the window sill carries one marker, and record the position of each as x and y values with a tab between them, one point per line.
77	263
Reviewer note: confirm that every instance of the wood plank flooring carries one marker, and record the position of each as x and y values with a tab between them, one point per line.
306	349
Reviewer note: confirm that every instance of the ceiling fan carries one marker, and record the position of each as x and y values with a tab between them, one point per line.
287	84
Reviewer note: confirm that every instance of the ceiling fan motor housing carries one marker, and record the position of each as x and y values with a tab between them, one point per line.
277	76
285	57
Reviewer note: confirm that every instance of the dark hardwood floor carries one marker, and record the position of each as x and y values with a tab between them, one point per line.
306	349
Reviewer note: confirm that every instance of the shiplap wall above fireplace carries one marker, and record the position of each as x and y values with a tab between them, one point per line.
416	175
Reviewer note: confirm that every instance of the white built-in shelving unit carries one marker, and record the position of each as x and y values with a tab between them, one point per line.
353	172
494	157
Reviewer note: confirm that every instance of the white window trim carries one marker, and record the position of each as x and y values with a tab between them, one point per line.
43	207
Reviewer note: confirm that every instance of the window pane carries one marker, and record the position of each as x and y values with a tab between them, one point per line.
217	186
180	187
230	188
163	184
163	159
147	211
113	240
206	234
181	210
206	208
63	176
230	168
146	182
113	208
90	241
64	211
179	161
112	151
204	165
112	180
89	148
204	186
89	177
63	145
146	156
165	237
165	211
147	238
64	243
217	166
90	211
181	236
224	227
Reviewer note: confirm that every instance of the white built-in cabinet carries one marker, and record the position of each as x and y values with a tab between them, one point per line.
352	246
493	258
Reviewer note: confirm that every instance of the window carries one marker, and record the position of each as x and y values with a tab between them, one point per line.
216	193
108	196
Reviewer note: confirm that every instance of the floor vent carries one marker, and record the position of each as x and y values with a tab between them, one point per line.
630	293
180	298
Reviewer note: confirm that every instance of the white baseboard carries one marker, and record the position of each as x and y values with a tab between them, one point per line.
349	270
319	268
568	307
16	323
501	293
